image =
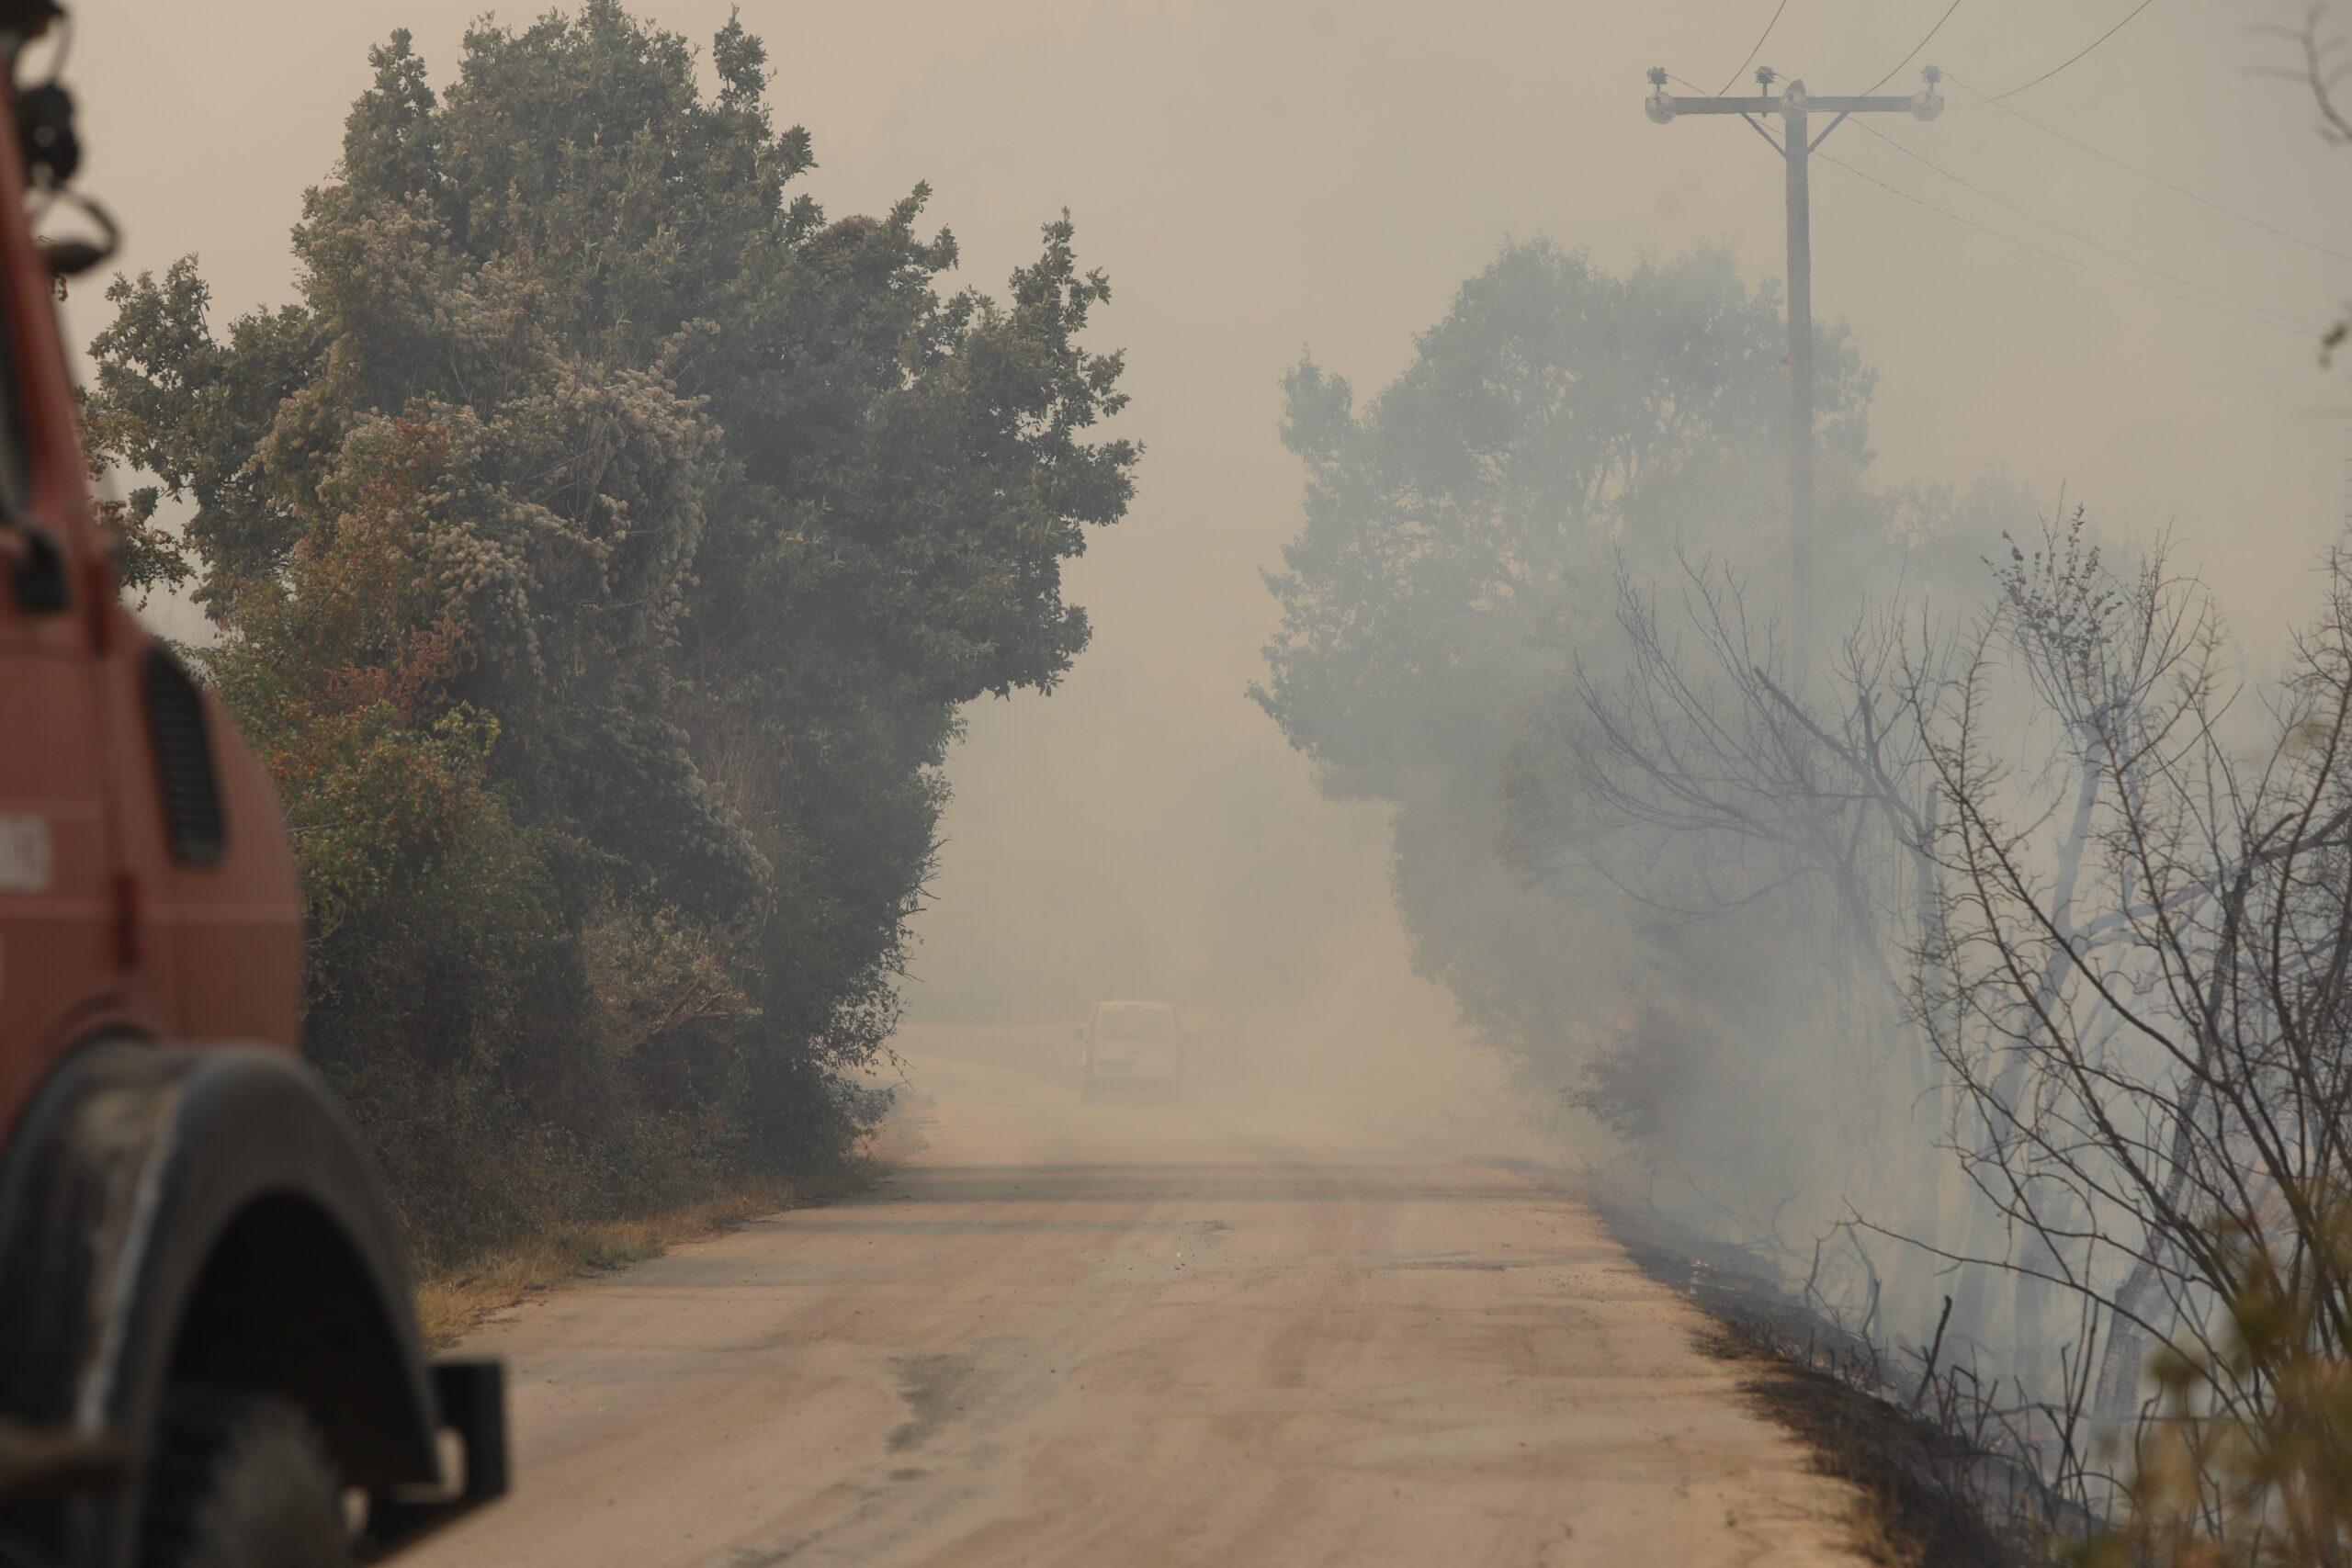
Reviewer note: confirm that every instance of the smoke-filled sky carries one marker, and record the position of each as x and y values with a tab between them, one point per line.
1259	177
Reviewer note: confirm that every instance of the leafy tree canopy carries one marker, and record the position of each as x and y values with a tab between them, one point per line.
595	472
1555	414
1461	538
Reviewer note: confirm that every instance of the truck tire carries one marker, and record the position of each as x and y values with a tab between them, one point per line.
241	1480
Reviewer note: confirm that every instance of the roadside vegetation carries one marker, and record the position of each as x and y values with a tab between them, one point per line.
1983	977
601	545
460	1294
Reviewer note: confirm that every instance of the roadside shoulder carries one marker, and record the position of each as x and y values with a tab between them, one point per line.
1921	1485
453	1301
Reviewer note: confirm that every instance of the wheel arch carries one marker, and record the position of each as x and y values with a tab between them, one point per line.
288	1303
174	1213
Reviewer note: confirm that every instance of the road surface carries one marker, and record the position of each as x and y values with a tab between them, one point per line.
1123	1334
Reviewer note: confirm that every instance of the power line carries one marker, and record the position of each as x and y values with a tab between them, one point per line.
2085	239
1753	49
2134	169
2056	255
2061	65
1915	47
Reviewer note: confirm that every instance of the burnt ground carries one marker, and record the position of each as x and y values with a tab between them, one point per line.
1929	1488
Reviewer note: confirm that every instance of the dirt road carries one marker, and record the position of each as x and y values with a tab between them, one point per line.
1139	1333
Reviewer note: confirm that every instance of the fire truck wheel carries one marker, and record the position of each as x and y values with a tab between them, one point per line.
241	1480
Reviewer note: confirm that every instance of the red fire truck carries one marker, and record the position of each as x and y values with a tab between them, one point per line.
207	1351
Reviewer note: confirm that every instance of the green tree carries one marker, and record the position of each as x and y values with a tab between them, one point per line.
1461	534
1459	563
598	475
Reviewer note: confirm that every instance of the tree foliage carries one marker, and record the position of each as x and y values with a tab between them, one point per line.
602	543
1463	537
1556	413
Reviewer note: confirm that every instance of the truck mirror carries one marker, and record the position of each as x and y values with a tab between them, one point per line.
36	564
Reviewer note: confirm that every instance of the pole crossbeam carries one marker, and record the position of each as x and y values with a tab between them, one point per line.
1796	108
1883	102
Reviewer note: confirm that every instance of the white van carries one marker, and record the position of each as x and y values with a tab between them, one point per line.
1132	1046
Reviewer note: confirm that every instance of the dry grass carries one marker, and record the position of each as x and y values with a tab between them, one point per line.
452	1302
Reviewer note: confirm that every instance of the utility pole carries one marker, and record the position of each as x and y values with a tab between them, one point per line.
1795	108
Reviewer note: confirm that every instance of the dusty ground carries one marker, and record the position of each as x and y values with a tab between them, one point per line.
1125	1333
